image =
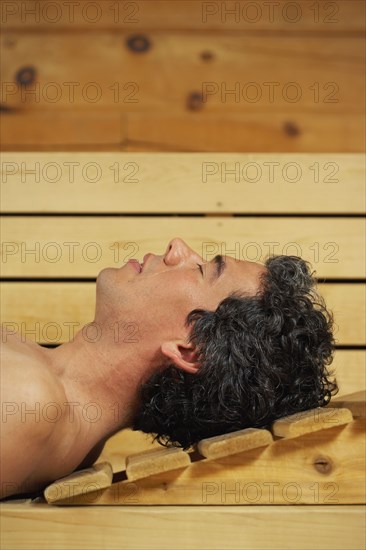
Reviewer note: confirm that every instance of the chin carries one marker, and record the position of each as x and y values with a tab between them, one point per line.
105	275
107	280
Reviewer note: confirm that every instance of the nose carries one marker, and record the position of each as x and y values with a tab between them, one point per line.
179	252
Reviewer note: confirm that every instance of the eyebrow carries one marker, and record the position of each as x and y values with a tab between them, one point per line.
220	266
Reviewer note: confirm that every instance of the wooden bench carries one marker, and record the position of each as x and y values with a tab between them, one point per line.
212	202
305	460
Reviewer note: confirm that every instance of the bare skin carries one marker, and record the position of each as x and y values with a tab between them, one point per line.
85	390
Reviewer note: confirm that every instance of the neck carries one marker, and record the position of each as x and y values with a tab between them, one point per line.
101	382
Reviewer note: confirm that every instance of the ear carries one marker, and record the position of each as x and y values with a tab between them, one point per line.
183	355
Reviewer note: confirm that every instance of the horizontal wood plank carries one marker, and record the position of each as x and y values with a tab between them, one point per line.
136	132
30	308
55	129
350	370
355	402
146	15
182	183
41	246
313	75
259	132
154	527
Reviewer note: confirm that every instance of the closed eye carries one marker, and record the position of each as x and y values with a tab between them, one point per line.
200	268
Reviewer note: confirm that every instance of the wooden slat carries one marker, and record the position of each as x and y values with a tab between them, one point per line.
335	249
98	476
296	467
154	527
234	442
147	132
187	183
54	129
355	402
31	306
155	461
245	132
312	420
341	300
142	15
350	370
164	78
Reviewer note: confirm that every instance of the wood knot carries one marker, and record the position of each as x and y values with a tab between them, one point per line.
323	465
291	129
138	43
195	101
207	56
9	42
6	109
26	76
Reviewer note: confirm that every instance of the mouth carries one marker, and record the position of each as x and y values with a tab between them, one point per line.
136	265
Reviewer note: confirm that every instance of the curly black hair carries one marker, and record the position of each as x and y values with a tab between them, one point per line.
261	356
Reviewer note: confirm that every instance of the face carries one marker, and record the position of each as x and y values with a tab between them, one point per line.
156	301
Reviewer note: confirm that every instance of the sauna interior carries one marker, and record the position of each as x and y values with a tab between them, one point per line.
238	127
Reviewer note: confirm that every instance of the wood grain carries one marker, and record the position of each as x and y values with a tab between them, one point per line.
350	370
155	461
38	246
279	132
312	420
98	476
293	465
234	442
148	132
54	129
127	441
147	15
182	183
30	308
355	402
154	527
315	75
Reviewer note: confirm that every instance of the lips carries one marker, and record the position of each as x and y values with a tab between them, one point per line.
136	265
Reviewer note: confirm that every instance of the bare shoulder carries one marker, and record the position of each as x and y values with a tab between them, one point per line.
31	406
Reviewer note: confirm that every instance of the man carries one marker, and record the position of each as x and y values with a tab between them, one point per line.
182	348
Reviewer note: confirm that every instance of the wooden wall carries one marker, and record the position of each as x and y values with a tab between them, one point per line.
157	95
210	200
183	76
158	91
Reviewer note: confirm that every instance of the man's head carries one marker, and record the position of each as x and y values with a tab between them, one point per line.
257	347
158	299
